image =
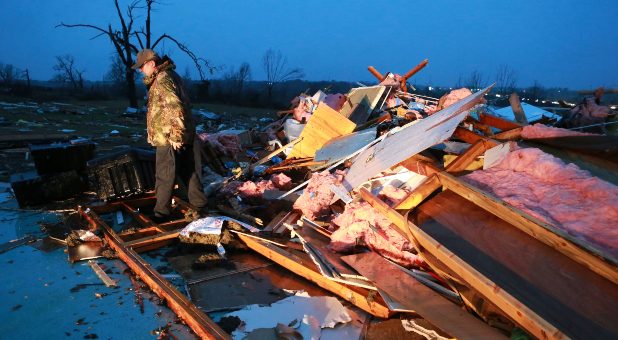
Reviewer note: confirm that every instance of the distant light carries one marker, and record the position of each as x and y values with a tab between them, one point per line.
555	103
613	107
536	101
430	88
543	102
497	95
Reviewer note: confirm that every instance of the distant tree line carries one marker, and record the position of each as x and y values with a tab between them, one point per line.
235	86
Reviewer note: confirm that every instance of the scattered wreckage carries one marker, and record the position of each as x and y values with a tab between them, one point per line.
464	223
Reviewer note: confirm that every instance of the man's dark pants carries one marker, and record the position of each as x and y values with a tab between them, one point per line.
178	166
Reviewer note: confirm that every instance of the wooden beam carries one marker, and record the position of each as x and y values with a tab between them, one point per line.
432	183
470	137
543	232
497	122
462	162
518	111
513	134
198	321
299	267
521	314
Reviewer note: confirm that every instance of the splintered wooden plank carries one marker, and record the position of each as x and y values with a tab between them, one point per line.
579	302
575	249
360	101
199	322
497	122
468	136
304	269
513	134
415	296
324	125
462	162
412	139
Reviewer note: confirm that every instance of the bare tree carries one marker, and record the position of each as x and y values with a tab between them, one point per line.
475	81
9	74
277	71
66	72
237	78
506	80
127	38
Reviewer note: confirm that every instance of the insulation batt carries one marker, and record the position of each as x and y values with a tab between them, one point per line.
559	194
251	189
354	229
539	130
316	198
281	181
226	144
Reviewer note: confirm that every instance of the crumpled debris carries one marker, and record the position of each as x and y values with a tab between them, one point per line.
76	237
315	312
361	224
316	198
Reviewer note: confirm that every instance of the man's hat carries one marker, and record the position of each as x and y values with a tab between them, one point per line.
143	57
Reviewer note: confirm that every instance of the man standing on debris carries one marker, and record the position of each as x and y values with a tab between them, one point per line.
171	131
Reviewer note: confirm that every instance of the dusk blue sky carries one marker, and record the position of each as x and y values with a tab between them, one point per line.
558	43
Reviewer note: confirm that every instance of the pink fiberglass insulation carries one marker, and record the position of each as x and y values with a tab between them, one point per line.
251	189
226	144
316	198
455	96
560	194
335	101
281	181
539	130
392	195
354	229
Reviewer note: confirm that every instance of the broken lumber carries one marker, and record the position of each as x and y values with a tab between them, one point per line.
199	322
411	139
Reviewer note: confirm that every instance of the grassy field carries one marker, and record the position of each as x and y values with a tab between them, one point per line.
104	122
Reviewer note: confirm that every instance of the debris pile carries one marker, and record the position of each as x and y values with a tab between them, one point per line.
377	197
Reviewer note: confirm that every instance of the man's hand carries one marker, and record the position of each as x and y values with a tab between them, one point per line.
176	145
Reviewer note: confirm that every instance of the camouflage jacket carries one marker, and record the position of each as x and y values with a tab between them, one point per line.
169	111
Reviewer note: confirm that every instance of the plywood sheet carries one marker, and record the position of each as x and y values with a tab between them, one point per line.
412	139
360	102
577	301
324	125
